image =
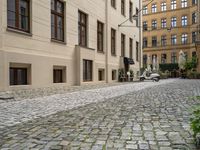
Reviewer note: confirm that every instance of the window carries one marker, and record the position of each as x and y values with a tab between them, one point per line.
145	42
183	3
101	74
113	42
131	48
184	20
57	20
87	70
145	26
137	19
194	2
59	74
145	60
154	41
123	7
123	45
18	76
164	58
163	40
194	18
145	10
154	24
82	28
114	75
173	40
154	8
173	4
173	58
113	3
130	11
164	23
18	12
173	22
163	6
184	38
137	51
100	36
194	35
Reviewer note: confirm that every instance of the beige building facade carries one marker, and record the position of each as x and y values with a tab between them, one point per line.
169	26
71	42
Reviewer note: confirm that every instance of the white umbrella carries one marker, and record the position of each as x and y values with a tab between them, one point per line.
181	60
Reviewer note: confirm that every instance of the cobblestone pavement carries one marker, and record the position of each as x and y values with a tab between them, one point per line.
138	116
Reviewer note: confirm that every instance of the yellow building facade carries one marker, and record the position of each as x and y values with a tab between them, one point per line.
169	26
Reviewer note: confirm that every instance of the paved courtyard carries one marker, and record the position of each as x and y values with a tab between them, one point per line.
145	115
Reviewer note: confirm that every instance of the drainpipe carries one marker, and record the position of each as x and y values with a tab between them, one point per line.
106	40
140	34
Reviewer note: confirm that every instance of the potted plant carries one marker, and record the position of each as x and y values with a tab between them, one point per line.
131	75
121	75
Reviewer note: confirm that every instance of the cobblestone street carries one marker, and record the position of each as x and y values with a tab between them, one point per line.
147	115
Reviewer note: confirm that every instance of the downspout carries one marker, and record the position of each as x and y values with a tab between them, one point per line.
106	40
140	35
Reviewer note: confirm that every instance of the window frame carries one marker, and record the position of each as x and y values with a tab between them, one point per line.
87	75
113	42
17	14
123	7
56	16
100	34
82	25
123	44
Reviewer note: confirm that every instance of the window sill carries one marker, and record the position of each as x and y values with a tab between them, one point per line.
19	31
57	41
100	52
114	55
86	47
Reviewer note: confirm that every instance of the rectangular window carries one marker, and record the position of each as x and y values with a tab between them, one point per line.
145	10
18	14
164	23
137	19
114	75
154	41
164	58
59	74
145	60
184	38
113	3
154	8
100	36
137	51
145	26
113	42
184	20
194	2
163	40
194	35
130	11
82	28
173	22
18	76
101	74
145	42
173	4
123	7
194	18
173	58
131	48
163	6
123	38
173	40
154	24
183	3
87	70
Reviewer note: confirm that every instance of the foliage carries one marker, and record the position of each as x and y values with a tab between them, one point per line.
169	67
195	121
193	74
131	73
191	64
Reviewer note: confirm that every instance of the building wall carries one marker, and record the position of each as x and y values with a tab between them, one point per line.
179	30
37	49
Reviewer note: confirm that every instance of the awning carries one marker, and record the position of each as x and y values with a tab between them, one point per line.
128	61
